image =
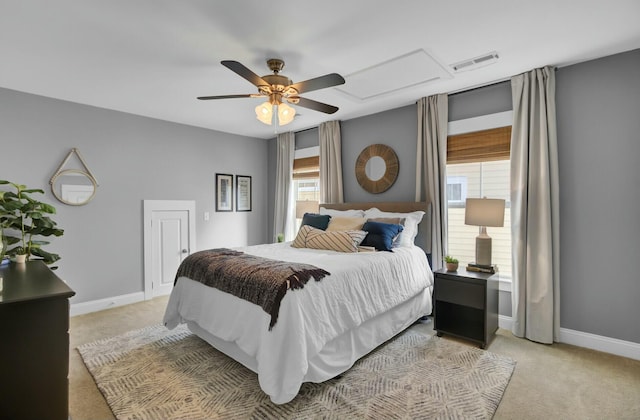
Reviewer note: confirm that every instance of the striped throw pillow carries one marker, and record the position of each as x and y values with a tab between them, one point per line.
341	241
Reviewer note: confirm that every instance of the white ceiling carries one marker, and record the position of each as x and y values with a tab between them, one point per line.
154	57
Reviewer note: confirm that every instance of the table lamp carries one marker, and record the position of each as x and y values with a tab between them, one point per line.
484	212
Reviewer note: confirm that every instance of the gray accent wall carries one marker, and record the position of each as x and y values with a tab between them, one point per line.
598	111
485	100
398	129
134	159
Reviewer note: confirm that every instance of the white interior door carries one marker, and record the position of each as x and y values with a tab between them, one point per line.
170	242
169	238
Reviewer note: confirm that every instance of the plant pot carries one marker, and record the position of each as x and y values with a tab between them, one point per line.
452	266
20	258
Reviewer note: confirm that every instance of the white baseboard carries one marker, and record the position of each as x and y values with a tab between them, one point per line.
600	343
567	336
588	340
505	322
102	304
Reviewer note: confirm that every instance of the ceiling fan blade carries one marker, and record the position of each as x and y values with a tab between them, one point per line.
248	95
241	70
328	80
315	105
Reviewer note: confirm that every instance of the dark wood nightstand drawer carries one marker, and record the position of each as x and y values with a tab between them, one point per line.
459	292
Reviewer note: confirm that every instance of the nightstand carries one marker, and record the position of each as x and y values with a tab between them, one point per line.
466	305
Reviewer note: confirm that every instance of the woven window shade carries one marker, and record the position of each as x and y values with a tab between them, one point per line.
306	168
479	146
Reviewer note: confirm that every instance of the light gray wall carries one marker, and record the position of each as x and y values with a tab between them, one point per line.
599	147
134	159
307	138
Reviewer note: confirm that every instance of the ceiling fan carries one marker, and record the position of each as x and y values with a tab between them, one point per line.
279	90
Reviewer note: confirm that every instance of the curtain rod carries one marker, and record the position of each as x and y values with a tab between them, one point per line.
306	129
465	90
495	82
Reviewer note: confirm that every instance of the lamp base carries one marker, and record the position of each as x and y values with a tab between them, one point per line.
483	249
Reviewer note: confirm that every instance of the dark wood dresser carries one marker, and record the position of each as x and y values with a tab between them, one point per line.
34	343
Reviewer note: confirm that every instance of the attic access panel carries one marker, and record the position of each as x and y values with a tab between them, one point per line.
407	70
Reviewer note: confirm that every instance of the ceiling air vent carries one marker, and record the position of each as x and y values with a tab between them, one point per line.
475	63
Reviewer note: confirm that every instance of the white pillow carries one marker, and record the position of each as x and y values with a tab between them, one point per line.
342	213
412	219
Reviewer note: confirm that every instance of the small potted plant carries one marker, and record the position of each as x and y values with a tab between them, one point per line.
452	263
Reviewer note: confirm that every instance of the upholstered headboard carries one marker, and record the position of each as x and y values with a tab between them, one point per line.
424	228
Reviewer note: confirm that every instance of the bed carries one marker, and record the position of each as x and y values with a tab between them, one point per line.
323	328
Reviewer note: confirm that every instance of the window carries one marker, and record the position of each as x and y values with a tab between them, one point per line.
306	185
478	166
456	190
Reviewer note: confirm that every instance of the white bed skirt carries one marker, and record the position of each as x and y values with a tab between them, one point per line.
342	352
337	356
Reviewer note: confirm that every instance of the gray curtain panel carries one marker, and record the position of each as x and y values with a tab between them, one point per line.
283	210
431	176
535	227
330	163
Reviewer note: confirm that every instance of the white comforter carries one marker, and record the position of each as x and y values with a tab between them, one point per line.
361	286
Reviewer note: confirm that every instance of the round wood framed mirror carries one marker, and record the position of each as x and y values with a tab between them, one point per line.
377	168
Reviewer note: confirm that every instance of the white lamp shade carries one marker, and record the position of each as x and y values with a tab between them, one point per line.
484	212
264	113
285	114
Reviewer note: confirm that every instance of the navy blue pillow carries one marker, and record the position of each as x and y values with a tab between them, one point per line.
380	235
318	221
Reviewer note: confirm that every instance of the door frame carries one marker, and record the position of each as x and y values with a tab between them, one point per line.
149	206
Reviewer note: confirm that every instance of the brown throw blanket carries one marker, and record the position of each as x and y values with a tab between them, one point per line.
255	279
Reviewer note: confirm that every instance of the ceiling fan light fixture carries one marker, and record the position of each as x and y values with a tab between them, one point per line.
278	89
285	114
264	113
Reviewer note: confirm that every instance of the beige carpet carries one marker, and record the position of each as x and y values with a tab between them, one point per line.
155	373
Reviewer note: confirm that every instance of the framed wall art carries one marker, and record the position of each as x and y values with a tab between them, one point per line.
243	193
224	192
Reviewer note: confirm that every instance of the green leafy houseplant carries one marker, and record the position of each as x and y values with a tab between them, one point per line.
24	220
451	263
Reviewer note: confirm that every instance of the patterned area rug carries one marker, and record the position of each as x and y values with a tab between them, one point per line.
154	373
